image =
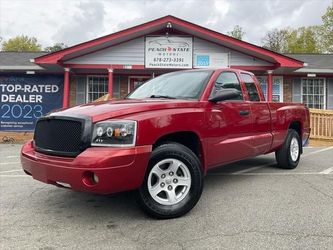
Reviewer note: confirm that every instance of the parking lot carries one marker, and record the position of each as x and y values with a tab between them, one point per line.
246	205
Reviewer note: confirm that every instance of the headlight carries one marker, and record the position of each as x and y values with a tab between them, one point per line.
117	133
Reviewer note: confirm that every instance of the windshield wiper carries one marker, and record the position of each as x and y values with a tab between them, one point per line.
162	96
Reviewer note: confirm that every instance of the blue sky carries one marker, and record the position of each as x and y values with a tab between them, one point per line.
75	21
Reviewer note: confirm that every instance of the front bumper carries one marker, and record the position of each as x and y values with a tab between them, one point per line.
117	169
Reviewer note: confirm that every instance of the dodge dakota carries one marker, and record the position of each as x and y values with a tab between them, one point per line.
164	136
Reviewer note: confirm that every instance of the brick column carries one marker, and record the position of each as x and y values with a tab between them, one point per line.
65	103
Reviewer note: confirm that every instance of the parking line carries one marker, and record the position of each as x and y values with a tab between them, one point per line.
252	169
13	175
269	174
9	163
10	171
318	151
327	171
223	174
12	156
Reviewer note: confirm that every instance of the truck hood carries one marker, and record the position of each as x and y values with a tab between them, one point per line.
99	111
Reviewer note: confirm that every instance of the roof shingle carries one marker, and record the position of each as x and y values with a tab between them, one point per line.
19	60
315	61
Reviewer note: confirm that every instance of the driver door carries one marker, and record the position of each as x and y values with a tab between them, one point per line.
230	125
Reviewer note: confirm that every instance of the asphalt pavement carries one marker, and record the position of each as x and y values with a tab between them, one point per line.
250	204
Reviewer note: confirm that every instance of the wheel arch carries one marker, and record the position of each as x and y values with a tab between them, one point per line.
189	139
297	126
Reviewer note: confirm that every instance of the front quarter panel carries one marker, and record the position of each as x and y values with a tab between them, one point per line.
153	125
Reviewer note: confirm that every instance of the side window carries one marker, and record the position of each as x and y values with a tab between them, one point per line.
250	87
227	80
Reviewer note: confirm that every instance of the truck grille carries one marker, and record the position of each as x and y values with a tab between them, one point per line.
59	136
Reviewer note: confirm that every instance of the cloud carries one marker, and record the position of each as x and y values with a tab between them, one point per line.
258	17
85	23
77	21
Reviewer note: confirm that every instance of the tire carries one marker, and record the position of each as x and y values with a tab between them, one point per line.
173	182
288	155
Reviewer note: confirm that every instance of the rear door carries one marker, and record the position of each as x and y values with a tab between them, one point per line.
261	115
230	125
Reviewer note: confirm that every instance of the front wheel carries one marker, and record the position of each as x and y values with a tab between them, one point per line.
173	182
289	154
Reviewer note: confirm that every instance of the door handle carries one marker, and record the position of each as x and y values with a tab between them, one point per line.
244	112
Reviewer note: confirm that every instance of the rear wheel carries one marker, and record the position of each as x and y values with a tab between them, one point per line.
173	182
289	154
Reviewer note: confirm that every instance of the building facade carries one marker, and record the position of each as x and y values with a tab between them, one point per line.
119	62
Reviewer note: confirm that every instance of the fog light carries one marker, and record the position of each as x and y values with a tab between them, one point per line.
95	178
89	178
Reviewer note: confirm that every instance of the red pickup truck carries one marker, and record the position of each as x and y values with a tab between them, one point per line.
164	136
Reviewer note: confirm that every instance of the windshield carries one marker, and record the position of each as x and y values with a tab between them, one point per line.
176	85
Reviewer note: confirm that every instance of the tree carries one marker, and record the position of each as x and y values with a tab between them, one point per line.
327	30
302	40
237	32
21	43
56	47
276	40
310	39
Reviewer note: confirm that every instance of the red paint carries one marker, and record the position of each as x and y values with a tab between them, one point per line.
65	103
104	66
261	127
143	74
253	68
270	87
234	140
110	83
225	135
279	58
54	57
305	75
282	60
114	166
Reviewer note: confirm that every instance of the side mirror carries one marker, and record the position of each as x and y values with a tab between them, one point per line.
225	94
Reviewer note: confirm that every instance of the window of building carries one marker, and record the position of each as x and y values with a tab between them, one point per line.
97	86
227	80
277	87
250	87
314	92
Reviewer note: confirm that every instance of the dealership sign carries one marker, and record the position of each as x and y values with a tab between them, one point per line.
168	52
26	98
